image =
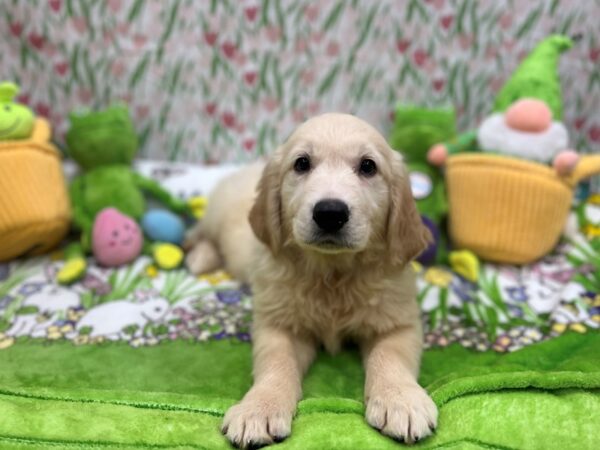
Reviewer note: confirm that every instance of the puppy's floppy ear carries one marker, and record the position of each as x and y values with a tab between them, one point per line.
265	215
407	236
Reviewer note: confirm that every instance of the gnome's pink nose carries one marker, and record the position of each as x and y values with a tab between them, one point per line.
528	114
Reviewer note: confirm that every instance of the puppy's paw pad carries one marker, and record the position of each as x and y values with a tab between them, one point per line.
256	423
404	414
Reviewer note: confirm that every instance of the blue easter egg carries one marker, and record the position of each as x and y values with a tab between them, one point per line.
164	226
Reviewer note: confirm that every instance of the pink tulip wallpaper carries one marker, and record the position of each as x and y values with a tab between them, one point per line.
220	81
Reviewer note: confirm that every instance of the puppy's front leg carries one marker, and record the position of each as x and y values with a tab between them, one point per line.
395	403
265	413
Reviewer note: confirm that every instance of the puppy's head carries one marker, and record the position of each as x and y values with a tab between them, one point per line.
336	187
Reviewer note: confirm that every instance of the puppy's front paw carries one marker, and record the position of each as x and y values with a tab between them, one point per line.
258	421
202	258
405	413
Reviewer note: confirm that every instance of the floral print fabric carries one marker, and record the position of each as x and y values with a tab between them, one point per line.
506	309
228	80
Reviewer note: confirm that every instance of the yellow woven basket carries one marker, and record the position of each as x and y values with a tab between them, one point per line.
509	210
34	205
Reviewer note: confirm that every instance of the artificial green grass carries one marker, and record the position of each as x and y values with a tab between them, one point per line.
174	395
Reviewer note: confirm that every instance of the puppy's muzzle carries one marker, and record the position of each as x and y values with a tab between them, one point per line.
331	215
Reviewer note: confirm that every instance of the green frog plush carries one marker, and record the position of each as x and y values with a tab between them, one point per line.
16	121
415	130
108	196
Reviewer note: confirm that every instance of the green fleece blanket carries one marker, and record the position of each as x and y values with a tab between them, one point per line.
140	357
111	395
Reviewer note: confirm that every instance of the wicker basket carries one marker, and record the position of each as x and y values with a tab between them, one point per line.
34	205
509	210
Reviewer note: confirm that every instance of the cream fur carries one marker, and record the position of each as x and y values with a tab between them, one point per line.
305	295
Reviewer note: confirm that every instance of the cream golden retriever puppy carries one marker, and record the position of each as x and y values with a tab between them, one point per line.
331	231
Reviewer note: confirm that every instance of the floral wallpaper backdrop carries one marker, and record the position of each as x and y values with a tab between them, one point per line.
215	81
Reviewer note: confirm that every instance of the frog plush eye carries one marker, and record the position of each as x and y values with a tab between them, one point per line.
421	185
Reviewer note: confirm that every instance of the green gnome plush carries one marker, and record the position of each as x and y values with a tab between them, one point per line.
526	119
16	120
414	131
108	196
537	77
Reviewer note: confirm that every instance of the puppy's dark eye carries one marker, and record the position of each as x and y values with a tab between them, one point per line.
302	164
367	167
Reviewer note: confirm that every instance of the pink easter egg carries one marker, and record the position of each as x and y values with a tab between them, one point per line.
116	238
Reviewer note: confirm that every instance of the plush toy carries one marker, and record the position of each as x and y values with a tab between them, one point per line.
107	197
526	122
34	206
504	205
116	238
16	120
415	130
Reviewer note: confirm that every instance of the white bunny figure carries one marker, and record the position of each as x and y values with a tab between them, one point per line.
109	319
49	301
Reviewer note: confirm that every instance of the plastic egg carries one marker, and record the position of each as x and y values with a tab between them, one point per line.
163	226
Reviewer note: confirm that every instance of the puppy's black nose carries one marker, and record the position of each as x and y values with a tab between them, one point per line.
331	215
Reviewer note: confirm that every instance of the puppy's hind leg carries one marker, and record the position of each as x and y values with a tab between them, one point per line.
204	257
193	235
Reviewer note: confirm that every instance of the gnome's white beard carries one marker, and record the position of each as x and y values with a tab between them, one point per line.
495	136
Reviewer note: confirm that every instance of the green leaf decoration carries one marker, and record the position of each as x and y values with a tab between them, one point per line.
139	71
328	80
334	15
135	10
529	22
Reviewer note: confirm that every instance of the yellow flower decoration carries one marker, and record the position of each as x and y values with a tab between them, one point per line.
594	199
578	327
151	271
167	256
74	315
438	277
82	339
215	278
6	341
466	264
591	231
417	267
53	333
198	206
71	271
66	328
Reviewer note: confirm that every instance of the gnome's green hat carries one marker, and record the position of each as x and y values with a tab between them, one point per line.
537	77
